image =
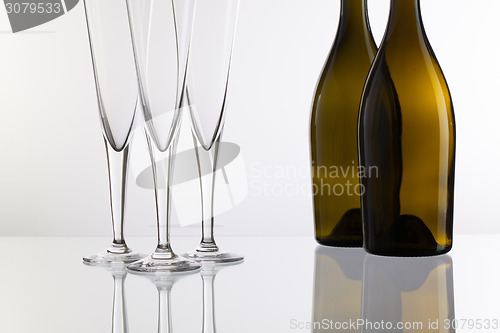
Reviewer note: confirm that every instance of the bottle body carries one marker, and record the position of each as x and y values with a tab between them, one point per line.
407	144
334	117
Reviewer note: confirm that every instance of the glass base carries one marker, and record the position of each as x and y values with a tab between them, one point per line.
151	265
215	256
108	258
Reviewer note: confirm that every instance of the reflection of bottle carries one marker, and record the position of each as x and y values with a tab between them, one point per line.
407	143
334	122
337	288
407	291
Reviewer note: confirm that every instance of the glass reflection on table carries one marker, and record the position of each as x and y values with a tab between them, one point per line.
209	270
164	282
358	292
414	293
119	313
338	288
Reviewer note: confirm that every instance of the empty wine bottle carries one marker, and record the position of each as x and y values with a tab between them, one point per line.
334	122
407	143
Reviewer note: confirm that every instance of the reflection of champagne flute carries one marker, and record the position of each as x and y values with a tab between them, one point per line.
164	282
338	287
160	33
119	316
207	83
119	320
408	291
164	287
117	94
208	272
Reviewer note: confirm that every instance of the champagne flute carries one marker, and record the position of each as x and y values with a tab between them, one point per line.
207	85
160	33
118	99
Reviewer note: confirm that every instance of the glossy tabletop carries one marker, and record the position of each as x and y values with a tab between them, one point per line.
285	284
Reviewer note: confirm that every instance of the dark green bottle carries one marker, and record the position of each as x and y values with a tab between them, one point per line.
407	143
334	122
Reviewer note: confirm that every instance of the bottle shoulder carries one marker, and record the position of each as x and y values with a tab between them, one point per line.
350	49
413	66
412	82
347	64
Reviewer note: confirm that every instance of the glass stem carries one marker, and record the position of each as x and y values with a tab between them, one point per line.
207	161
162	166
164	313
208	302
119	324
117	172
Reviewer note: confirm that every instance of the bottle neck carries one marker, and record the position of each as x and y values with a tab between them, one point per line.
405	17
353	15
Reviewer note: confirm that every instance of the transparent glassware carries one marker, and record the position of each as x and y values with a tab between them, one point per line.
206	91
160	33
118	100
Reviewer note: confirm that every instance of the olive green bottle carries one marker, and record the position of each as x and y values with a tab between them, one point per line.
333	132
407	143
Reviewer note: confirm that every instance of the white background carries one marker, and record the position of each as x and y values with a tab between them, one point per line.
53	178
